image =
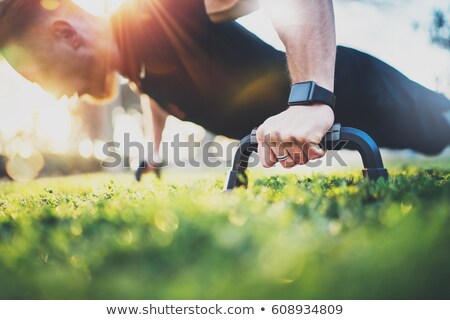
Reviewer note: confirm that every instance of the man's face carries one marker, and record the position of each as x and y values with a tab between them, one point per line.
64	61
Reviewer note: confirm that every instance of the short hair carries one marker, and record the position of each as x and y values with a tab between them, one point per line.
16	16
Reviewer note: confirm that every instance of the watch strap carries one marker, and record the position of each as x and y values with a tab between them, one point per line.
308	93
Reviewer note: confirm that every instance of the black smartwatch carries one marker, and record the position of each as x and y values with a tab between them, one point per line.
309	93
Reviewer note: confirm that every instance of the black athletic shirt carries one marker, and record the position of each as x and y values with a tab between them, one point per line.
221	76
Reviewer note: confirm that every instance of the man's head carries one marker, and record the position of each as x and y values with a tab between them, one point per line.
60	46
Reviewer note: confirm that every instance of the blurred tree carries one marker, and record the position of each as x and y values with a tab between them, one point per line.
440	30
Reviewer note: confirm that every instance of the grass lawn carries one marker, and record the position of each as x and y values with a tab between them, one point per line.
330	236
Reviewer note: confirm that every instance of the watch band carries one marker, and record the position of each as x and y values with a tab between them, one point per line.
308	93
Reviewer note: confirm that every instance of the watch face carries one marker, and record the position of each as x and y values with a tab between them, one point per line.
301	92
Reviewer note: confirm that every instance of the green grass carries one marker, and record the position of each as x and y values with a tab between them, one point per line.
320	237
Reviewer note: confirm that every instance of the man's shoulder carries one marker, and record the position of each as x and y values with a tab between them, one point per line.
224	10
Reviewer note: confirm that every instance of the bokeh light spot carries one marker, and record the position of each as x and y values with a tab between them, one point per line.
167	221
50	5
24	169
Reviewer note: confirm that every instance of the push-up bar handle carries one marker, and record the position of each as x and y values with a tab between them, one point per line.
336	139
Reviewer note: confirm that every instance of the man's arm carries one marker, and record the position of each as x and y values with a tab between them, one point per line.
152	109
307	30
159	117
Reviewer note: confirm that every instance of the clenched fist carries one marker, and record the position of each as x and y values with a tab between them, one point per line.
293	136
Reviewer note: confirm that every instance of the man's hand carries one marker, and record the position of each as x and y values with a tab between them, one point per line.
295	133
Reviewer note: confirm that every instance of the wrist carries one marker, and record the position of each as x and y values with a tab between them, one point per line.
156	157
325	111
324	78
319	106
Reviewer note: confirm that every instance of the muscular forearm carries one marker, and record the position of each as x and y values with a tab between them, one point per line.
307	30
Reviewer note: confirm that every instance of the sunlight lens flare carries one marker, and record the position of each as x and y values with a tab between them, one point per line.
99	7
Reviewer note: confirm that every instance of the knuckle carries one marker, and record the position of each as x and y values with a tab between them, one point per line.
303	162
266	165
275	135
317	156
260	134
286	137
315	137
298	158
301	137
285	164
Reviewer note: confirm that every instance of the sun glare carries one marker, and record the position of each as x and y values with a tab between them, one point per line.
100	7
